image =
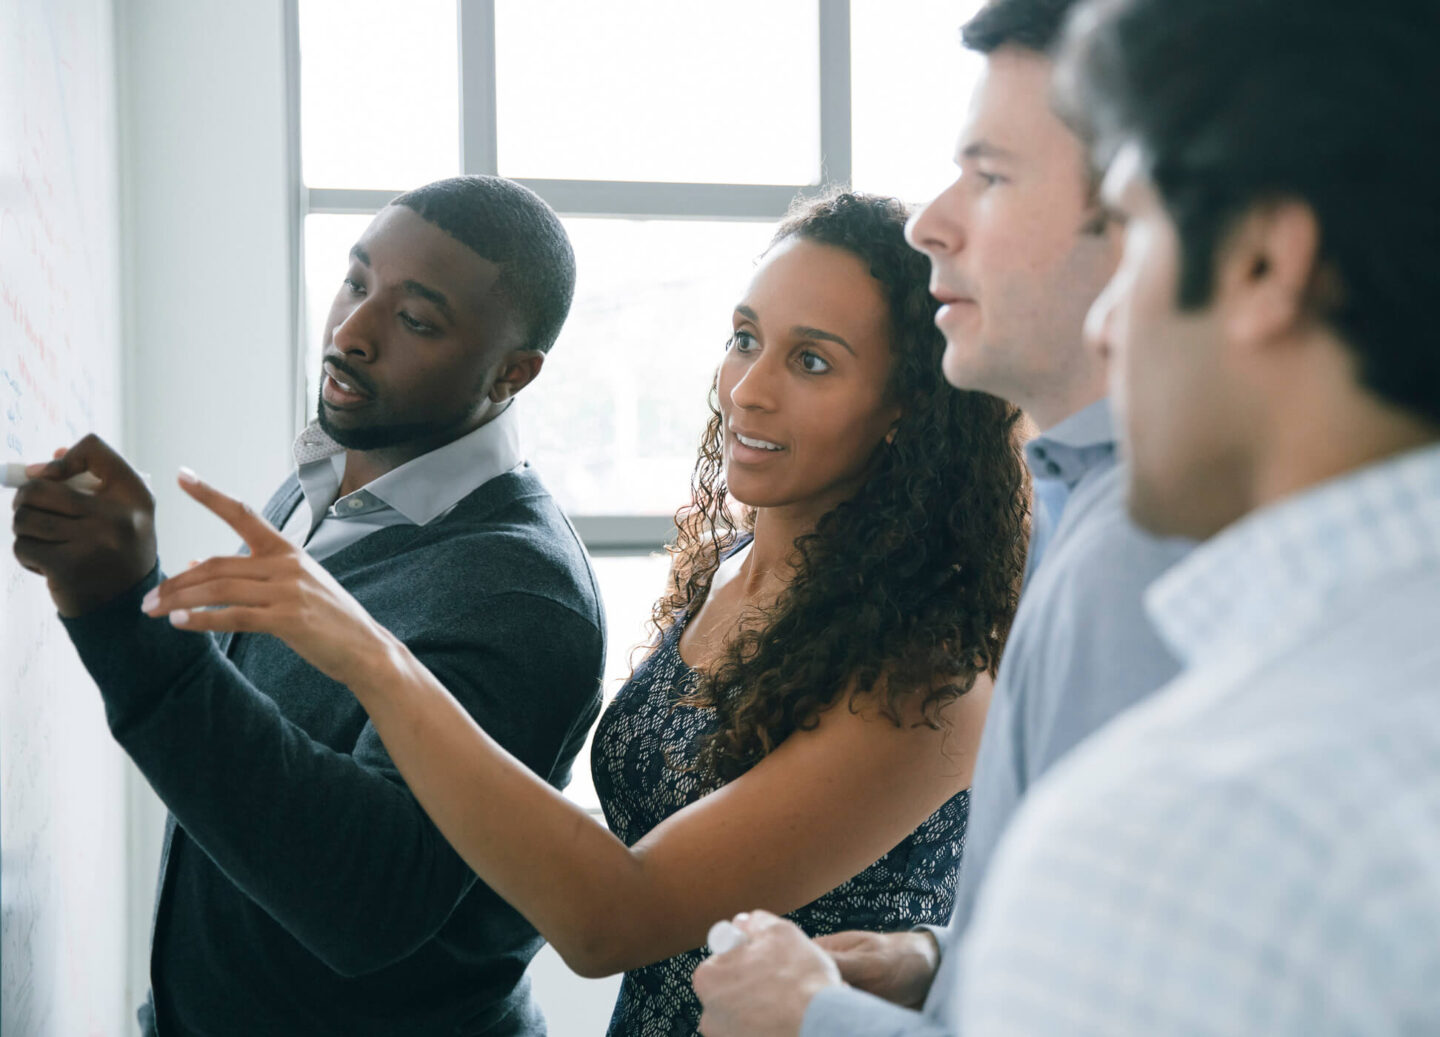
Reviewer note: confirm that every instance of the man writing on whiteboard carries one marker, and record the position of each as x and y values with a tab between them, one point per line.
302	889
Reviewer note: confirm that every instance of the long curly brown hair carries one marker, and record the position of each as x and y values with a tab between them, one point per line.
906	589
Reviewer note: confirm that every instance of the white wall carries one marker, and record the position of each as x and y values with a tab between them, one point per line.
207	286
209	295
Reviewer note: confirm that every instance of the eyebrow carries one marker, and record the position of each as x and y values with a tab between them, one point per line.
430	294
984	149
801	330
414	288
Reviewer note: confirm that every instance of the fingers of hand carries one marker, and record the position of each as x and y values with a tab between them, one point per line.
239	619
44	525
254	530
56	497
91	454
39	556
848	941
227	567
210	594
753	923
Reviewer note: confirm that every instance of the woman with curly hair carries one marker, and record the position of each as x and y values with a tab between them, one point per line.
801	734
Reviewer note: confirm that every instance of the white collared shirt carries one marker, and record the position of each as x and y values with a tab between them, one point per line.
1256	848
416	493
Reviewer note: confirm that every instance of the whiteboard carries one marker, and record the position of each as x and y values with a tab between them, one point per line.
62	779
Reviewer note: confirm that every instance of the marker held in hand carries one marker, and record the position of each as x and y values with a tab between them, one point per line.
724	936
15	476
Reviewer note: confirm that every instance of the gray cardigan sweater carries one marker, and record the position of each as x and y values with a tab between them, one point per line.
302	889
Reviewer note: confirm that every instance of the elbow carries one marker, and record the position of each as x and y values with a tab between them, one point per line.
589	968
591	965
594	955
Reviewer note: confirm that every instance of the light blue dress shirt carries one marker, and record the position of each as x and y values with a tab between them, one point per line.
1256	849
416	493
1080	651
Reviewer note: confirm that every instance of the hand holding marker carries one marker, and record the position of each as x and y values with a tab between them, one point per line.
724	936
13	476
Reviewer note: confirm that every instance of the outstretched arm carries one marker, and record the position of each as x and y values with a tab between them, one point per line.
818	810
329	841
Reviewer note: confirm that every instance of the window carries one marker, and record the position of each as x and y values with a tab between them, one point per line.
671	138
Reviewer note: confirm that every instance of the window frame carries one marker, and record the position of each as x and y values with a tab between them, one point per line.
617	533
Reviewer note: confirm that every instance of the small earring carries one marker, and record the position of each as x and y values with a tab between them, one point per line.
890	438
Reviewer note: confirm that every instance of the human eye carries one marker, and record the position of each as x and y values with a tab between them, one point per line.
741	342
356	288
812	362
416	325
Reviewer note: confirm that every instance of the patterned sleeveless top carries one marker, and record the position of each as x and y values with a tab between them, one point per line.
642	745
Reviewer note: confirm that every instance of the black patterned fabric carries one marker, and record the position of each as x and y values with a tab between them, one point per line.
643	743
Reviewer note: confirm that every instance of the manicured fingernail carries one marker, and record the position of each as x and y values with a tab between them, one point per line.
191	564
188	476
179	617
151	600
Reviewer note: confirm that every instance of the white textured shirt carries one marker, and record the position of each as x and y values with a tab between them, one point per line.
1256	849
416	493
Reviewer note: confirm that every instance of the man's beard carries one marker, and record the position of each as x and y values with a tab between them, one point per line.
382	437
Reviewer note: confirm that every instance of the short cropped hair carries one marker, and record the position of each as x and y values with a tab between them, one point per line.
512	227
1234	104
1034	25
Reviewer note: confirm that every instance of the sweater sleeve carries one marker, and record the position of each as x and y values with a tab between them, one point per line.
331	844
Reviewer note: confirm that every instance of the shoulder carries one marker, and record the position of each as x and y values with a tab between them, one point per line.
509	540
1098	547
1191	866
1082	647
1302	783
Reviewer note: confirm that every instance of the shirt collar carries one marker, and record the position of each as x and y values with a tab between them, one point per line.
1067	451
1276	570
425	488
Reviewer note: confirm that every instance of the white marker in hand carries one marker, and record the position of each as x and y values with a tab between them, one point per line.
14	477
724	936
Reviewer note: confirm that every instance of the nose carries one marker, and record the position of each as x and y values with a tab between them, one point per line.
757	387
938	228
354	334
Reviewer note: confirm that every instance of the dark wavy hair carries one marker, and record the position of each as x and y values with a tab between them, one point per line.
903	592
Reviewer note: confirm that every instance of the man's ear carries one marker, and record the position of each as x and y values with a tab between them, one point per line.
517	370
1267	271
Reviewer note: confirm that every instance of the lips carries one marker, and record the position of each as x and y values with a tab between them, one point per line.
952	306
749	448
343	387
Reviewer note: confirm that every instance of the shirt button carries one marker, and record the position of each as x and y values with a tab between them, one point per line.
355	504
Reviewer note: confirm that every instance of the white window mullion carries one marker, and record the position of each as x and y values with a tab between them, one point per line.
478	152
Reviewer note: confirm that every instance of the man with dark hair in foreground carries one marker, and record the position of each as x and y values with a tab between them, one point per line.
302	888
1254	849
